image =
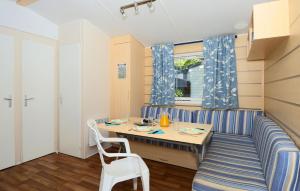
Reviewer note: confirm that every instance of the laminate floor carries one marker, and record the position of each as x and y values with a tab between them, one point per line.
64	173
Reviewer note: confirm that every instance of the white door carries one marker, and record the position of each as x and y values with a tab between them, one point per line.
38	100
7	133
70	100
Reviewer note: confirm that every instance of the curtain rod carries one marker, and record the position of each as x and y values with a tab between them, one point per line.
192	42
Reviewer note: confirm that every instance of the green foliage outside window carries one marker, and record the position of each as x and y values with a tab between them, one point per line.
185	64
179	93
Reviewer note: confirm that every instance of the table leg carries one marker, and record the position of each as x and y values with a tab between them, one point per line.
195	148
203	151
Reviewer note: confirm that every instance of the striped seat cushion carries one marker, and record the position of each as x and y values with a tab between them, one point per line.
278	154
180	114
239	122
231	163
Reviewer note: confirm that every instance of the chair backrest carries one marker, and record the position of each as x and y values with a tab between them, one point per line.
279	156
92	124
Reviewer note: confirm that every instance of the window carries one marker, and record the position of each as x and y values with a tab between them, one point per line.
189	78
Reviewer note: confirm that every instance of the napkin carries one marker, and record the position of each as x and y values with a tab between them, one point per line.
156	132
111	124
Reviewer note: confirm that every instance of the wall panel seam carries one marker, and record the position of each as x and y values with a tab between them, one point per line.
250	71
283	101
249	83
283	79
243	58
246	95
281	122
295	20
282	57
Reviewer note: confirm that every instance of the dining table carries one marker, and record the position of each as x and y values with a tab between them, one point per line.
177	133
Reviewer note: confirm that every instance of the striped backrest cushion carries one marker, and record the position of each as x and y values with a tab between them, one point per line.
278	154
239	122
202	116
148	111
181	114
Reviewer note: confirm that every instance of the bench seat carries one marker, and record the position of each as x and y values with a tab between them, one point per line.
231	163
267	160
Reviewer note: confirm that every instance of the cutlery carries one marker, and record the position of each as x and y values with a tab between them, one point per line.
201	129
154	132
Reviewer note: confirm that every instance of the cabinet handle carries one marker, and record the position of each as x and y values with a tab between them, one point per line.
26	100
9	99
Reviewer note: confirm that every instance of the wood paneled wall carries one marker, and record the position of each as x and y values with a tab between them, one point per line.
250	74
282	79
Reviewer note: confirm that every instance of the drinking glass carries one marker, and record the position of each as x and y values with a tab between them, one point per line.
175	123
151	119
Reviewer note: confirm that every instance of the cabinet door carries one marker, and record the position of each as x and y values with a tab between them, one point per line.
120	90
38	123
7	133
70	100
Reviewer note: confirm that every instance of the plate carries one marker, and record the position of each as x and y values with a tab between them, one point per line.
143	128
118	121
191	131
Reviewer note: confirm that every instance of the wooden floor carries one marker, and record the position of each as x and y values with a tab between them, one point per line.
65	173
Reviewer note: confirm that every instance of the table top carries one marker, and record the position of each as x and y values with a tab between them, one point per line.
171	134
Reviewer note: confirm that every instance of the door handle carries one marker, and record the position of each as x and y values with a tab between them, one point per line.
26	100
9	99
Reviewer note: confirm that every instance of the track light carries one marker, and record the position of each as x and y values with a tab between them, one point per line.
150	6
123	13
136	8
136	5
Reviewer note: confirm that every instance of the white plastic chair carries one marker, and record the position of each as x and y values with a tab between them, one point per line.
130	167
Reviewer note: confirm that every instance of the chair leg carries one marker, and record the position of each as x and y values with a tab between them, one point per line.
105	182
145	181
119	151
135	184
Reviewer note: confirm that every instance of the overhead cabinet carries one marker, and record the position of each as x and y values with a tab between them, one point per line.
269	25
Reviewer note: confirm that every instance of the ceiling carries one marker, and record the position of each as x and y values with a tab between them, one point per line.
172	21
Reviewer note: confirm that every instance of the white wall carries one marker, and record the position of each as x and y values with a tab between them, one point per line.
95	86
95	91
25	20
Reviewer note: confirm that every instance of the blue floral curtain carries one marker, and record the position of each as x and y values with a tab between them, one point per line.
163	88
220	75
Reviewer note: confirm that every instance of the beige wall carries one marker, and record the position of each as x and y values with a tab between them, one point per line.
19	37
127	94
282	79
250	74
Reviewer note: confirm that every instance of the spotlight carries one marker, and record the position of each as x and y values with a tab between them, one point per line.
135	5
123	13
150	6
136	8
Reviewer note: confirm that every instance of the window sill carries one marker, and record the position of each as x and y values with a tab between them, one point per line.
187	103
